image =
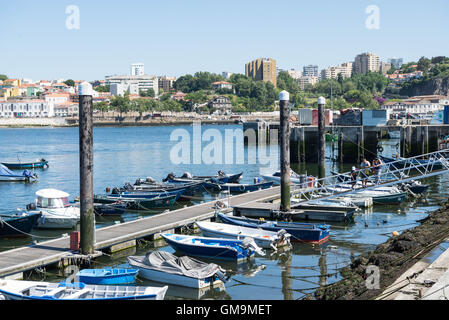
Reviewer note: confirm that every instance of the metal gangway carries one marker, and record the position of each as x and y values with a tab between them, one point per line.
400	171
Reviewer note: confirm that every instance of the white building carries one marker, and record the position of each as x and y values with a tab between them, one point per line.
310	71
332	72
137	69
26	109
304	81
366	62
418	104
133	84
57	98
227	75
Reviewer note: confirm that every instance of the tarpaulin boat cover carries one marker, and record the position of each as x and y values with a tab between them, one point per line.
169	263
4	171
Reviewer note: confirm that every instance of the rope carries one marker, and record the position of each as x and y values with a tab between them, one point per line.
28	234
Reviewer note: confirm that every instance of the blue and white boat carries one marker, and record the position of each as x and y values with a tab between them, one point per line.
39	290
238	187
145	194
165	267
6	175
216	248
299	232
107	276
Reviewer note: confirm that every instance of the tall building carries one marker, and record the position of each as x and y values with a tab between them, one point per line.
262	69
366	62
227	74
344	69
310	71
396	62
137	69
132	84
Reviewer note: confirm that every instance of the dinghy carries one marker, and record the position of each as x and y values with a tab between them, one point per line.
38	290
302	232
107	276
17	225
162	266
40	163
237	187
6	175
263	238
217	248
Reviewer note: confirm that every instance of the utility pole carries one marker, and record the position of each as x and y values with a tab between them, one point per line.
321	137
284	104
87	222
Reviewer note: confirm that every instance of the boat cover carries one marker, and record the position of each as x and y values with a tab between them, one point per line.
167	262
4	171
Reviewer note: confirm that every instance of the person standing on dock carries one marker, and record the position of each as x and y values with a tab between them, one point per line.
377	167
365	171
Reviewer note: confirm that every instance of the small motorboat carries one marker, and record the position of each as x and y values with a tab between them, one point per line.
162	266
39	290
221	177
299	232
217	248
380	195
138	203
56	211
263	238
6	175
112	209
18	225
238	187
107	276
40	163
302	179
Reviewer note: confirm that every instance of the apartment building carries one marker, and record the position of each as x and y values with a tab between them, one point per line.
263	69
366	62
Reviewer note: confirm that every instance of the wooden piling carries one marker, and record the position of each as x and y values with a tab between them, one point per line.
321	137
87	224
284	105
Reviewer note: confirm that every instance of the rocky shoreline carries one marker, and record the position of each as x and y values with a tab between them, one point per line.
393	258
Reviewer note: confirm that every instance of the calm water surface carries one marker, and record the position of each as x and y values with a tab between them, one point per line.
126	154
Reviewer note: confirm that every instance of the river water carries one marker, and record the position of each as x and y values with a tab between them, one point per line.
128	153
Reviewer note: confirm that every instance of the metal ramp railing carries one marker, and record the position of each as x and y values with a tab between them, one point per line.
402	170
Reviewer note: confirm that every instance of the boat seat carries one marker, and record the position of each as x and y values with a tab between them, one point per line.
78	294
53	292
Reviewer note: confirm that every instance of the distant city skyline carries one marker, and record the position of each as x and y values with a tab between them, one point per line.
183	37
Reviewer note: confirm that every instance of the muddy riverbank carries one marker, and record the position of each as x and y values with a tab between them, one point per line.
393	258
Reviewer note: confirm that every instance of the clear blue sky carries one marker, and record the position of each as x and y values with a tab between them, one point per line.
177	37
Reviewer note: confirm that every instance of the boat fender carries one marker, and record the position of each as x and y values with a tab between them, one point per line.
380	149
242	188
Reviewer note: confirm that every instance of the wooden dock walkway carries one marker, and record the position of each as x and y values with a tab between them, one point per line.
49	252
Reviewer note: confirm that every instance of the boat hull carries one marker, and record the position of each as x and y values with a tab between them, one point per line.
18	226
107	277
30	165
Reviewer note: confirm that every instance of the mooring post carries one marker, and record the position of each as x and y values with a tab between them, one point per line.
87	224
284	106
321	137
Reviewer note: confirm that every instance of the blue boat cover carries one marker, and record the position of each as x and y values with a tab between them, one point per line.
4	171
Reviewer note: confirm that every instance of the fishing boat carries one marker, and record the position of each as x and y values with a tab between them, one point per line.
40	163
300	232
217	248
162	266
112	209
39	290
107	276
305	180
221	177
263	238
146	194
237	187
18	225
56	211
6	175
153	203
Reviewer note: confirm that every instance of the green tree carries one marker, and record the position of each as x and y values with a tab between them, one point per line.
121	104
105	88
3	77
102	106
70	82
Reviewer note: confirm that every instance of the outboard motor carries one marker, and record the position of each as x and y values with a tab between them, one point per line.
150	180
170	176
221	173
249	243
283	236
187	175
115	191
138	182
31	206
128	186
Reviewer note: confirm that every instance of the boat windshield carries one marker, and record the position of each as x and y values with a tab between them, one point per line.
52	202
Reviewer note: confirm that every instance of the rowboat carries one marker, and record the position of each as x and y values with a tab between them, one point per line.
305	180
237	187
146	194
217	248
162	266
6	175
219	178
154	203
56	211
263	238
112	209
42	163
39	290
107	276
18	224
303	232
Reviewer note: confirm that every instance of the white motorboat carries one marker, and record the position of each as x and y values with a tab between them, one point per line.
38	290
57	213
263	238
307	181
